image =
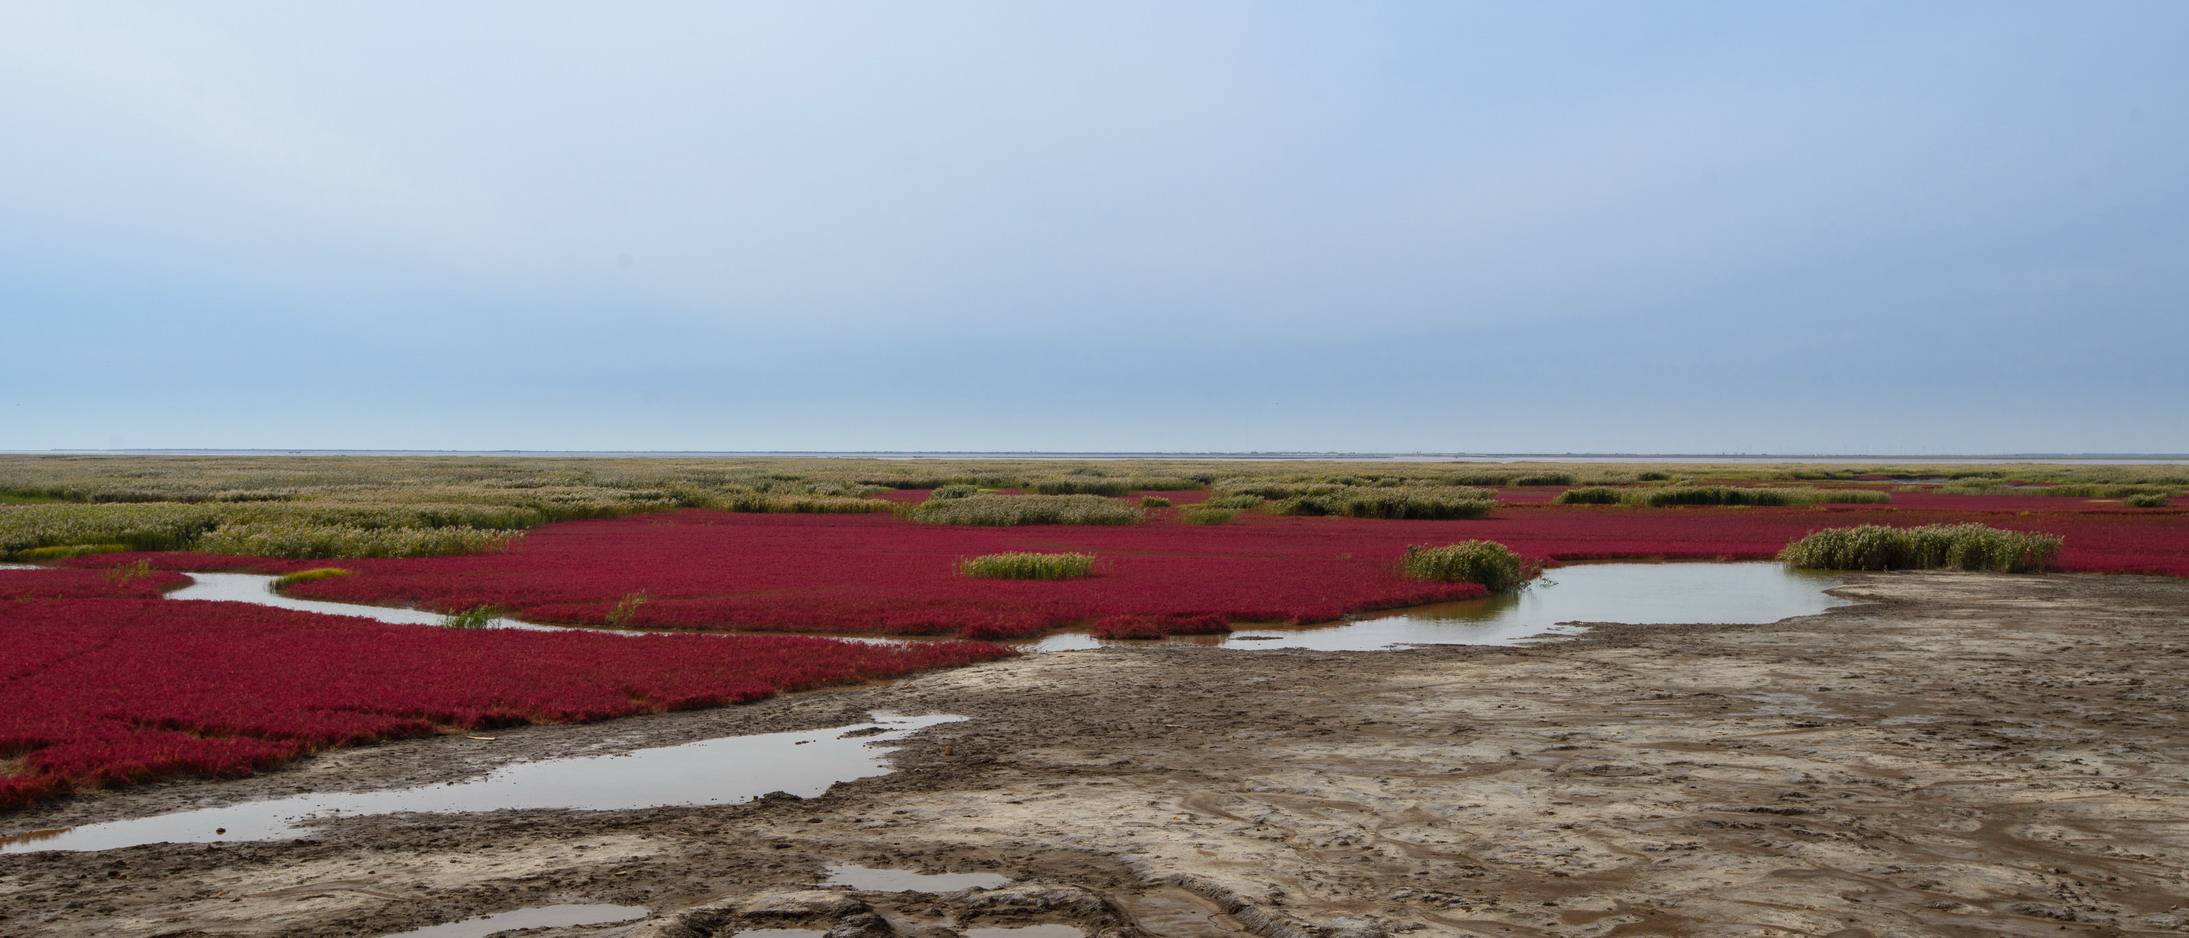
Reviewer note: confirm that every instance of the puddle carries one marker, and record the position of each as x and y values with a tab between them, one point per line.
870	879
546	916
729	770
1029	931
1637	593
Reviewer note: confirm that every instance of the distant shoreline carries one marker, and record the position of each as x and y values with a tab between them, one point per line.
2091	458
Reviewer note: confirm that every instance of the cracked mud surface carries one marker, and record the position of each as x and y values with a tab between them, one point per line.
1962	755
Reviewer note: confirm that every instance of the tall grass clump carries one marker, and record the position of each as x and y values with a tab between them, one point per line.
794	503
1154	501
2144	501
1419	502
1205	514
1930	547
954	490
1235	502
1489	563
1009	510
1592	495
306	576
1024	565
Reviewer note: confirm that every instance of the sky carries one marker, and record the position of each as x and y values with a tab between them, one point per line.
1206	226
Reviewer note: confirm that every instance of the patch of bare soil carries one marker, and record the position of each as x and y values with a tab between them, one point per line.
1963	755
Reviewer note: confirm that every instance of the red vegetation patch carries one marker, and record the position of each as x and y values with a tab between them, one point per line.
65	583
876	573
108	691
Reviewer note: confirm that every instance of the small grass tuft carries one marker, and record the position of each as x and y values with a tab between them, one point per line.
1027	565
2144	501
476	617
306	576
1154	501
65	551
1930	547
1489	563
626	607
1204	514
958	490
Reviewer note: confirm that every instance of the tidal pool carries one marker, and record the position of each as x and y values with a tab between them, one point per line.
1634	593
259	590
568	915
729	770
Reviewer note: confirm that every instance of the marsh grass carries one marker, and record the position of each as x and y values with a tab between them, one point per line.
1023	565
957	490
1235	501
1930	547
1206	514
1154	501
65	551
306	576
2151	500
1489	563
1418	502
1010	510
303	540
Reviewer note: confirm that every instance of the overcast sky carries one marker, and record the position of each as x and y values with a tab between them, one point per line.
1446	226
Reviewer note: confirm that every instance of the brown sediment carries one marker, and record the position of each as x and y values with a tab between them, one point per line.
1963	754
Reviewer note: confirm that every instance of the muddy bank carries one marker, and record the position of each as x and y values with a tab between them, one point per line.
1964	754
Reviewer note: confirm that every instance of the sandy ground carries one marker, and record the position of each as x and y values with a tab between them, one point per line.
1962	755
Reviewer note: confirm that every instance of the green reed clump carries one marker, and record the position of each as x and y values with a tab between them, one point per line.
476	617
956	490
1420	502
306	576
1591	495
1008	510
1489	563
1108	485
1543	478
138	526
1024	565
1206	514
1664	496
1930	547
2148	500
2099	491
298	540
1235	501
1154	501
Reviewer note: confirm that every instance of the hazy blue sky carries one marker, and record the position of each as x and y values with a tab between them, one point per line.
1904	227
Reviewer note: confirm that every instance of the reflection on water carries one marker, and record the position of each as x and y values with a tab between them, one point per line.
545	916
729	770
1636	593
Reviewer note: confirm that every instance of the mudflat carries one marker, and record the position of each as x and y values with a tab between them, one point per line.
1960	754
